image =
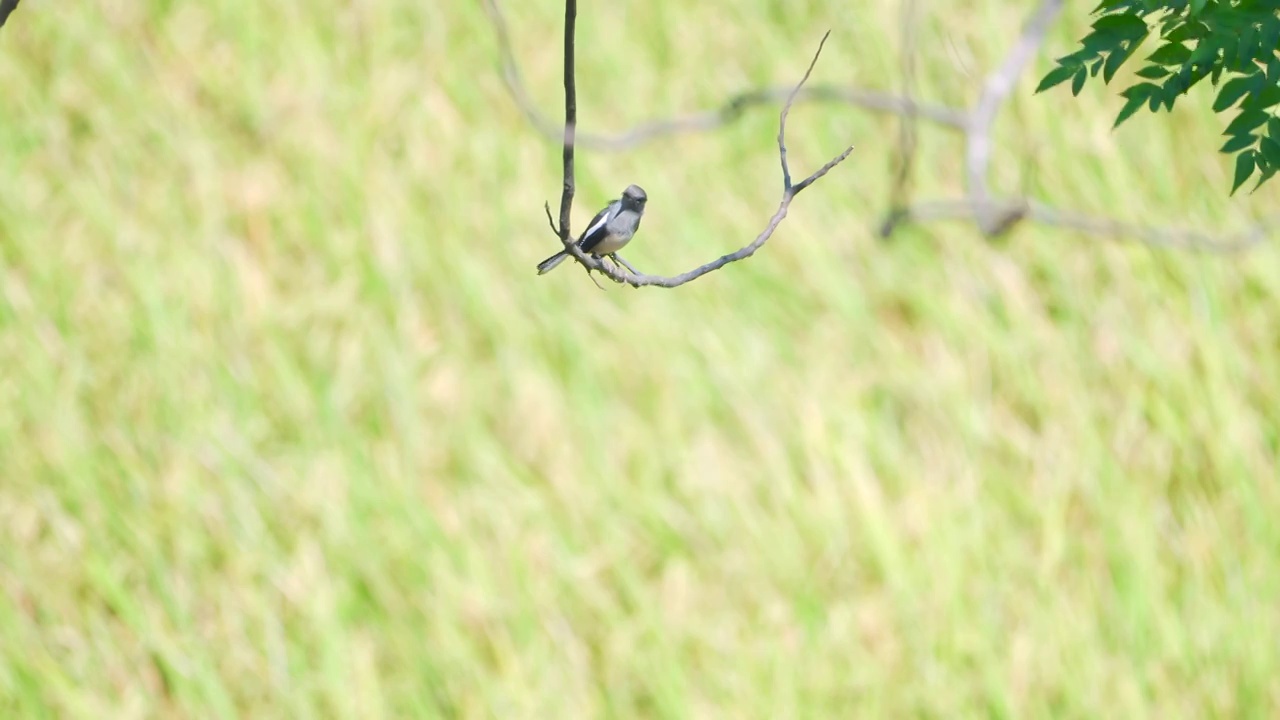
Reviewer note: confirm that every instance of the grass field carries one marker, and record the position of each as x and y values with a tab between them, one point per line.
290	428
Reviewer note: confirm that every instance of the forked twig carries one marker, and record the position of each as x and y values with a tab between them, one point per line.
630	276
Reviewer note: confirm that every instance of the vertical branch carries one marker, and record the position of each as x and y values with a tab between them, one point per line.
900	192
994	217
570	118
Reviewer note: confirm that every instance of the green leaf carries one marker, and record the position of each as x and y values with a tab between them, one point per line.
1246	121
1116	59
1056	76
1100	41
1238	143
1142	89
1266	175
1153	72
1187	31
1197	6
1270	39
1077	82
1122	24
1263	99
1130	107
1232	91
1244	168
1192	77
1248	41
1077	58
1271	151
1206	53
1170	54
1230	53
1273	127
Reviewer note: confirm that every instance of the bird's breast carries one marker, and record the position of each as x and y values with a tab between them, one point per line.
611	244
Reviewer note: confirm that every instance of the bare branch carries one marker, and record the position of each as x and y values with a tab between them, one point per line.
1003	214
900	192
1175	238
730	111
570	121
995	89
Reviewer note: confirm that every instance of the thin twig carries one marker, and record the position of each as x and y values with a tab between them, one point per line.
782	121
550	221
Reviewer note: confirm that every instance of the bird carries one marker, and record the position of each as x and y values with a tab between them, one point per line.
611	229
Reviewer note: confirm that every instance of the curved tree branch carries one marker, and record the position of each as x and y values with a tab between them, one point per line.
630	276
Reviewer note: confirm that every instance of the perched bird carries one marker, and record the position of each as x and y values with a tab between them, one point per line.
609	230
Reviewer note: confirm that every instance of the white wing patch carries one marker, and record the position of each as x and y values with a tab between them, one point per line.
596	230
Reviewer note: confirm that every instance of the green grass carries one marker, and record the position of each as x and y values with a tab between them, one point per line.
290	428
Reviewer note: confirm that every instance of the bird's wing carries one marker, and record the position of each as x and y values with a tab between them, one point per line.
599	227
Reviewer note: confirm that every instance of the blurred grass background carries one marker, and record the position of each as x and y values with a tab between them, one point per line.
290	428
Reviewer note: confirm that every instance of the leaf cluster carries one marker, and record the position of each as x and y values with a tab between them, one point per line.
1233	43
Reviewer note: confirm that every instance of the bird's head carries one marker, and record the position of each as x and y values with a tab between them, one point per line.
633	197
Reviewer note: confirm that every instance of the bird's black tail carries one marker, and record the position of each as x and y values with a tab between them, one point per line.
550	263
